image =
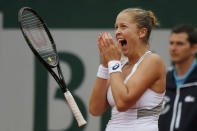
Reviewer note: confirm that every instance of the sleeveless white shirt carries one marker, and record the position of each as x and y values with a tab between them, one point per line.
143	116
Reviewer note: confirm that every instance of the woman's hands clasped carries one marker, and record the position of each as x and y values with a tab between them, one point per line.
109	50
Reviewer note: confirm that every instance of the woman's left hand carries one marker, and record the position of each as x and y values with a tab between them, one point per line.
111	50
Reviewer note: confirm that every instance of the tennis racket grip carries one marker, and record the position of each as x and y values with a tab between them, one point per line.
73	106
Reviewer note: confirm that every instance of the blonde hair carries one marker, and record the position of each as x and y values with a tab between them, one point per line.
143	19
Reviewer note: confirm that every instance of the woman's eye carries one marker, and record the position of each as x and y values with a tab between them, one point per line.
123	26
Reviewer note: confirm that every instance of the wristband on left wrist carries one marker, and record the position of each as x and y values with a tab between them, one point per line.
114	66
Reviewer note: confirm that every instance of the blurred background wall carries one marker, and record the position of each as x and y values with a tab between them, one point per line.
30	99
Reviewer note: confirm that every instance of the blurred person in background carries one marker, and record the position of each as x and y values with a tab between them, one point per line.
179	112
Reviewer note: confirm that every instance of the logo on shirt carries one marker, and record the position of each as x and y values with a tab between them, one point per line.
115	66
189	99
165	106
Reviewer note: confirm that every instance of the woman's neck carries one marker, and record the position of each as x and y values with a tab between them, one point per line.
132	59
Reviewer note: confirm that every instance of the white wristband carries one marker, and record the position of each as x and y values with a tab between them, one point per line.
102	72
114	66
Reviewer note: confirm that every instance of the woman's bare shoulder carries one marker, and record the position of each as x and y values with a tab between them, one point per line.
154	59
153	63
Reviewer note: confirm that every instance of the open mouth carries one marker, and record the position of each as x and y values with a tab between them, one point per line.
123	42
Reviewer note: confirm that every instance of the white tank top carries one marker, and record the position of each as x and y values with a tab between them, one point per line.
143	116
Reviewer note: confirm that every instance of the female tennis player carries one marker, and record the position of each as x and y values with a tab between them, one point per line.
135	87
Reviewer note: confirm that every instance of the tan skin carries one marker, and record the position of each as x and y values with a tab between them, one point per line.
178	44
149	74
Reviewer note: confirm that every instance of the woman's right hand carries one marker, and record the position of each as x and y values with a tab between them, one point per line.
101	45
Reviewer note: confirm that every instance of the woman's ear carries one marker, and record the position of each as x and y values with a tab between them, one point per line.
143	33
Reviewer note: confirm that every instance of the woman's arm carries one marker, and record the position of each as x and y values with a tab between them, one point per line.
148	72
98	98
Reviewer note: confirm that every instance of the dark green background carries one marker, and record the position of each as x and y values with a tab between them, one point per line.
98	13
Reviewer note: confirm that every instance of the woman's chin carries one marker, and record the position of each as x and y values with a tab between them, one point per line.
125	54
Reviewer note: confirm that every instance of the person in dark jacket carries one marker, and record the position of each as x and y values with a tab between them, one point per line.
179	111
